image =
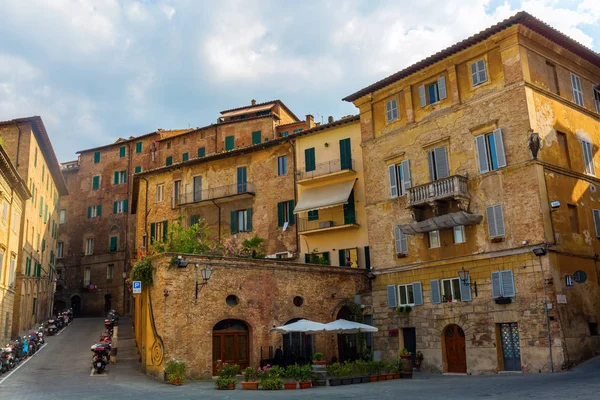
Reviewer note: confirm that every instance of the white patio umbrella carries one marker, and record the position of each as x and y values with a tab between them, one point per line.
345	326
304	325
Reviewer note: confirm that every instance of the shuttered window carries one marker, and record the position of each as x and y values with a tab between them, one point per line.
436	297
285	213
120	177
418	293
309	159
256	137
588	158
503	284
122	151
345	154
114	241
241	220
406	295
201	151
597	98
96	157
138	147
490	151
138	169
96	182
185	156
391	296
433	92
596	216
465	290
478	72
229	142
281	165
495	220
438	163
313	215
391	110
401	241
399	178
169	161
577	89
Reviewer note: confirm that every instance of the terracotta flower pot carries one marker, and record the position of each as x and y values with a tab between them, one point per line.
250	385
230	386
290	385
389	377
381	377
373	378
397	375
322	362
176	381
305	385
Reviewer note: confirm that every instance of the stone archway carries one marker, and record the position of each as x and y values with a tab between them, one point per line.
76	305
454	349
231	343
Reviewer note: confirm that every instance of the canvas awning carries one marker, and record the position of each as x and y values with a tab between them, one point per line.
441	222
304	325
345	326
325	196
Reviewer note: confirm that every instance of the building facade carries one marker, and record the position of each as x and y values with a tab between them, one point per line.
14	195
473	158
28	146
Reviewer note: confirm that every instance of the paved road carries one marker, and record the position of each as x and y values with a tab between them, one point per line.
62	371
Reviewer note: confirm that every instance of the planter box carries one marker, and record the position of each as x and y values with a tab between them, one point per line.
335	382
290	385
373	378
397	375
304	385
364	379
389	377
322	362
250	385
356	379
346	381
503	300
381	377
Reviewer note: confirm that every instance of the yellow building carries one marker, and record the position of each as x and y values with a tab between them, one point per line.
455	183
331	191
14	193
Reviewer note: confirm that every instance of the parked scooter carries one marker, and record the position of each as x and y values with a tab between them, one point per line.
101	356
52	328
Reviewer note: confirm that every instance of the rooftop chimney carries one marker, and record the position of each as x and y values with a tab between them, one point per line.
330	119
253	102
310	121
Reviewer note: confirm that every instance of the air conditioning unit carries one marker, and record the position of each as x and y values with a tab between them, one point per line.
325	224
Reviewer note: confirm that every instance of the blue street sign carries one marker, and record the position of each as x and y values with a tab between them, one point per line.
579	276
137	287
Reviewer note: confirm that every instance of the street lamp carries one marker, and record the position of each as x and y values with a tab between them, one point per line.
540	252
206	273
463	275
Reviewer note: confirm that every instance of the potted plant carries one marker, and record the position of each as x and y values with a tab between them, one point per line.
395	369
389	368
250	379
379	368
175	372
393	332
227	376
292	373
346	373
418	360
306	376
403	311
502	300
270	377
360	371
406	359
372	371
335	374
318	359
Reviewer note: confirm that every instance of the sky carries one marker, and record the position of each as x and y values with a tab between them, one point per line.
97	70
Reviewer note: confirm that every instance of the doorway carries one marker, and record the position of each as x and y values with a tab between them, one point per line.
456	354
107	303
410	341
297	347
347	343
231	343
511	348
76	306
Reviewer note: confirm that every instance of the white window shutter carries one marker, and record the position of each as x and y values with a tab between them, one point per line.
491	220
406	182
465	290
596	215
441	162
507	283
435	291
499	218
391	296
422	98
496	289
482	156
499	142
393	181
418	293
441	82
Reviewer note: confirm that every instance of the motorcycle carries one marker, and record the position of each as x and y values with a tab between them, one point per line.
52	328
7	359
25	346
101	356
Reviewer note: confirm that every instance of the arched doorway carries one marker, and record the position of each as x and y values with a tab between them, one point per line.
231	343
347	343
59	305
76	305
107	303
297	346
456	354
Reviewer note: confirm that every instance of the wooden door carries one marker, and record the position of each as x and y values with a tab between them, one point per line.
230	348
456	354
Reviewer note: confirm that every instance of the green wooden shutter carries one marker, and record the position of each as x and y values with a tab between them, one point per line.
185	156
309	159
152	232
96	157
115	207
229	142
138	169
367	258
291	218
201	151
96	182
116	180
249	219
256	139
280	215
169	161
122	151
342	256
138	147
345	154
89	211
99	210
113	243
125	206
165	231
232	222
45	213
327	257
124	176
41	205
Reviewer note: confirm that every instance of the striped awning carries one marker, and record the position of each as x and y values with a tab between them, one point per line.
325	196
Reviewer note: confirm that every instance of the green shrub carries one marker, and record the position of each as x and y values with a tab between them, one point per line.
223	382
175	370
271	383
318	356
142	271
250	374
292	372
306	373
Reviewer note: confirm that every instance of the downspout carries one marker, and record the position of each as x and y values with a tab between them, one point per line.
553	243
293	146
219	228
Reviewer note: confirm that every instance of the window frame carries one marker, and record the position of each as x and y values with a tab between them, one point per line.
494	213
282	165
587	149
596	92
577	90
62	216
434	163
453	295
243	221
431	236
391	106
110	272
89	246
87	276
477	72
406	287
160	193
60	248
462	233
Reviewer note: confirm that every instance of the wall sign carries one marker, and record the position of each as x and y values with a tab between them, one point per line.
568	280
580	276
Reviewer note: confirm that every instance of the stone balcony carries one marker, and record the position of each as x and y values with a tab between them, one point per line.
454	187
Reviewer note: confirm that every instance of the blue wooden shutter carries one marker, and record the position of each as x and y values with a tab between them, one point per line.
441	83
249	219
465	290
499	217
496	288
233	222
418	293
507	283
406	180
500	154
391	296
482	156
431	163
435	291
422	97
441	163
201	151
280	214
342	257
393	181
291	217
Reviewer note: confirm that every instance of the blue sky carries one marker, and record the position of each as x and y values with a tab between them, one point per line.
97	70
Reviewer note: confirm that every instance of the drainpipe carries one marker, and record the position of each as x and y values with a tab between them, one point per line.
545	302
146	212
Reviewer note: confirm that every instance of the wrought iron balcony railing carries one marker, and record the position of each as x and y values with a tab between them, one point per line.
215	193
326	168
327	220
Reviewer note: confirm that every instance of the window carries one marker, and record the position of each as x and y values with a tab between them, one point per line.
285	213
96	157
11	271
552	78
122	151
160	192
438	163
87	276
5	212
35	158
120	177
176	197
241	221
401	241
110	271
256	137
593	328
138	147
434	239
242	179
96	182
309	159
197	196
281	165
201	152
194	219
399	178
229	142
433	92
62	216
348	257
168	145
94	211
169	161
451	290
503	284
113	244
391	110
284	134
185	156
573	218
478	73
459	234
159	231
563	149
597	98
405	295
120	206
89	246
490	151
313	215
298	130
577	90
15	222
495	220
60	246
588	158
596	217
322	258
137	169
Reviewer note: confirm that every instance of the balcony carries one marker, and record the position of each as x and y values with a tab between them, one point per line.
219	194
327	221
451	188
326	170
